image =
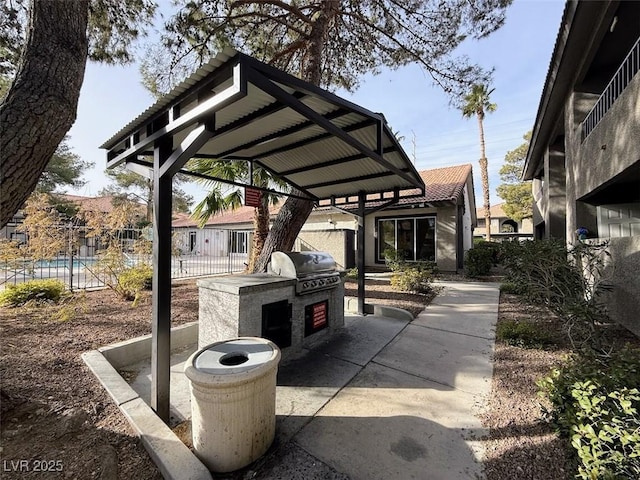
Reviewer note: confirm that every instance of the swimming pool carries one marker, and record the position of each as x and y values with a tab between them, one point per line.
64	263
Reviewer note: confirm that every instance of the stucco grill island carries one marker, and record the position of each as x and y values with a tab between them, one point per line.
299	303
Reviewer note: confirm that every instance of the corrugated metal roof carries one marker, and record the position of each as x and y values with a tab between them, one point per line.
443	186
308	136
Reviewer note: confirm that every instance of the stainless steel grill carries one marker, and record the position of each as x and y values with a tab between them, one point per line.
313	270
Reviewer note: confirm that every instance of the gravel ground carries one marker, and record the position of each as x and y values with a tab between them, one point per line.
521	446
57	417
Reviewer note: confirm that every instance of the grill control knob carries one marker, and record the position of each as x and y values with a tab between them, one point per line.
305	285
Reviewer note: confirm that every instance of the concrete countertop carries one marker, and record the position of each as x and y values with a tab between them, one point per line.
237	284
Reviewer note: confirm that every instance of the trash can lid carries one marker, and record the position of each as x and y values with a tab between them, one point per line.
234	356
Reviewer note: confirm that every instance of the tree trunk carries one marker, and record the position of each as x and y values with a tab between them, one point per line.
317	37
41	105
484	175
260	231
294	212
285	230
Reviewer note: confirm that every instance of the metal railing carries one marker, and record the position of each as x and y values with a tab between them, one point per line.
78	266
627	70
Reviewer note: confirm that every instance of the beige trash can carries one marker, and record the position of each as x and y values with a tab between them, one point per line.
233	401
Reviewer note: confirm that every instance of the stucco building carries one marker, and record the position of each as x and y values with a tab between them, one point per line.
584	156
502	226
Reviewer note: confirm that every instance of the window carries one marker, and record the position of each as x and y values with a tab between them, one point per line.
239	241
415	238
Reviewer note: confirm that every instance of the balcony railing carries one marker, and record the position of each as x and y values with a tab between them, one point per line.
630	66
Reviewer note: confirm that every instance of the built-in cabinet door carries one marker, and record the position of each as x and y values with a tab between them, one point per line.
620	220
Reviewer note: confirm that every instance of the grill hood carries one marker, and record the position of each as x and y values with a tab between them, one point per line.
301	264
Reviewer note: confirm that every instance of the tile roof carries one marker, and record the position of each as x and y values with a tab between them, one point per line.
97	204
239	215
496	211
445	183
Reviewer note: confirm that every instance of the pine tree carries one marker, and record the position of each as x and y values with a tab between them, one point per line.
515	192
45	45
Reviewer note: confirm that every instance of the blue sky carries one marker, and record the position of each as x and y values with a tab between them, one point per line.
520	51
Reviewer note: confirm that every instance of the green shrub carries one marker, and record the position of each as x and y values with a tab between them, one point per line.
37	290
596	402
134	280
478	262
352	273
523	334
510	287
394	259
427	267
412	279
494	247
569	281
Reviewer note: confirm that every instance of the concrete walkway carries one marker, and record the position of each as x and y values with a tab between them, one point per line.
392	399
387	398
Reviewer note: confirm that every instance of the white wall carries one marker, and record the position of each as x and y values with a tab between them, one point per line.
467	232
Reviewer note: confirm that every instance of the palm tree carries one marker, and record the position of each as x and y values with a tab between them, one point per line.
216	201
477	102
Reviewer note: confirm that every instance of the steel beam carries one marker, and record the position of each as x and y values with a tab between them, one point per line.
219	100
188	148
362	197
161	304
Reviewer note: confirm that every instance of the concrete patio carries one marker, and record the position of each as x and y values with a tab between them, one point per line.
386	398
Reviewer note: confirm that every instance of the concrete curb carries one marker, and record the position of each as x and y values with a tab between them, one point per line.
173	458
137	349
351	306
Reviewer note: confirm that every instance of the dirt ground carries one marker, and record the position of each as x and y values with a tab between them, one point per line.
58	422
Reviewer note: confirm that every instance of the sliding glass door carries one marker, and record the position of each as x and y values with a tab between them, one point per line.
414	238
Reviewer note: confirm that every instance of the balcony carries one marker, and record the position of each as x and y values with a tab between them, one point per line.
627	70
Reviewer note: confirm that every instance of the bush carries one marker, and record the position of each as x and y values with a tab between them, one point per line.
595	400
523	334
478	261
412	279
352	273
567	281
134	280
542	270
394	259
494	247
33	290
510	287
